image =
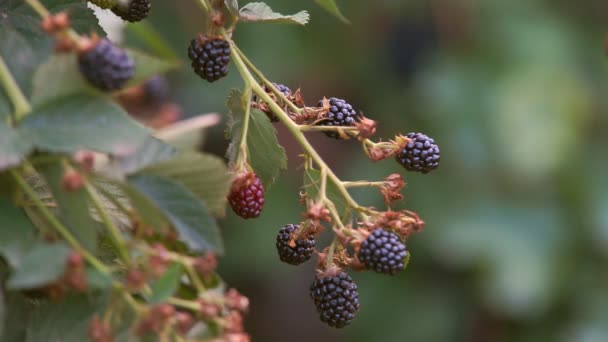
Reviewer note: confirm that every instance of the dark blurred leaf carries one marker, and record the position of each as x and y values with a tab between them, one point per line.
204	174
73	207
148	211
14	146
17	315
147	66
66	320
260	12
188	215
92	123
152	151
43	263
17	234
332	7
167	284
98	280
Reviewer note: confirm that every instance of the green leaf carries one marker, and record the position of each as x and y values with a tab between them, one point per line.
91	123
204	174
189	216
152	151
98	280
62	72
66	320
266	155
14	146
17	234
312	185
259	11
73	207
42	264
18	311
167	284
332	7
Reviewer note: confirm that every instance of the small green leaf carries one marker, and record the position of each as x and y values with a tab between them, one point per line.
14	146
312	185
167	284
83	122
17	234
42	264
259	11
189	216
204	174
73	207
332	7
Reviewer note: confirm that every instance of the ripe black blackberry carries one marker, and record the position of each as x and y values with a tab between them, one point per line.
210	57
132	10
106	66
421	154
383	252
247	196
105	4
336	299
302	249
264	108
340	113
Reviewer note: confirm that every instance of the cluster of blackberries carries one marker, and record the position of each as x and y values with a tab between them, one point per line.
421	154
210	57
129	10
106	66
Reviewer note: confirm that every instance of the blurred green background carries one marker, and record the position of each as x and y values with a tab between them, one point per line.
514	93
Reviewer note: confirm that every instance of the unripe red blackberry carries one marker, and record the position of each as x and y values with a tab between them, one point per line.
383	252
105	4
336	299
247	196
421	154
106	66
132	10
340	113
301	250
210	57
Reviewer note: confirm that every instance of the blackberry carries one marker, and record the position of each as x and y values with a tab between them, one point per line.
421	154
340	114
383	252
210	57
132	10
106	66
105	4
336	299
247	196
283	89
302	249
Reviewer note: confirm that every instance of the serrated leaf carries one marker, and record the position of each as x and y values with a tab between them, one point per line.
312	185
167	284
331	7
42	264
72	207
191	219
62	72
67	320
14	146
152	151
148	211
260	12
204	174
17	234
83	122
266	155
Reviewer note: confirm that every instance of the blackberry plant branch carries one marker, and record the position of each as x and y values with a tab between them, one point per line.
43	12
22	106
242	158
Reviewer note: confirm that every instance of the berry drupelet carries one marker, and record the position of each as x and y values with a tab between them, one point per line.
106	66
247	196
132	10
383	252
210	57
340	113
336	299
280	87
301	250
421	154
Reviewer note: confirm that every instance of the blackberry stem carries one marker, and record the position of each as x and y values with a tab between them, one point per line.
43	12
22	106
330	254
243	151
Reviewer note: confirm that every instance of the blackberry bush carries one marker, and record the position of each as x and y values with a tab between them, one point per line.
421	154
291	250
106	66
340	113
383	252
132	10
210	57
336	299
